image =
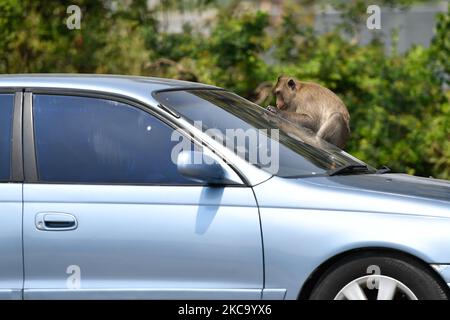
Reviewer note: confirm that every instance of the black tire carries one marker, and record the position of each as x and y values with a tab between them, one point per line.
420	280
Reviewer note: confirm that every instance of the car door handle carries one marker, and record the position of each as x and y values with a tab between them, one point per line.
54	221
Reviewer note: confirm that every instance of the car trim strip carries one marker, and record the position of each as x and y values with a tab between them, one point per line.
16	151
29	152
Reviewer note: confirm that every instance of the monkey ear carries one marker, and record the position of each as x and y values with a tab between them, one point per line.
291	84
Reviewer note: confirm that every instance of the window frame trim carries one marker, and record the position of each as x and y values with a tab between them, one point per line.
17	174
15	152
31	174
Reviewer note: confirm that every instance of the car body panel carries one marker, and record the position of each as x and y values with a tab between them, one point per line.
11	262
143	294
393	184
443	270
325	193
144	241
318	222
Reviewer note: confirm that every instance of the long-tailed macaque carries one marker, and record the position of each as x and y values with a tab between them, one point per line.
314	107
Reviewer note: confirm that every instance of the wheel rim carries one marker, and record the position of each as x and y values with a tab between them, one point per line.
375	287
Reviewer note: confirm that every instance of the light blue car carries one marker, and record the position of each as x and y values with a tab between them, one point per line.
102	196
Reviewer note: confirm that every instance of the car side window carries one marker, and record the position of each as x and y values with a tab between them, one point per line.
6	117
91	140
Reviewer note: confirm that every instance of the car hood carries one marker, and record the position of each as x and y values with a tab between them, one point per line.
374	193
394	184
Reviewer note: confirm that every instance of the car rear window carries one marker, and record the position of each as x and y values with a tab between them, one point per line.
6	116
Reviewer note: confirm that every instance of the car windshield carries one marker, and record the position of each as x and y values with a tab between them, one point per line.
276	146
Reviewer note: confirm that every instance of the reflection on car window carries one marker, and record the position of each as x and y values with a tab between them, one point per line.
6	115
300	151
81	139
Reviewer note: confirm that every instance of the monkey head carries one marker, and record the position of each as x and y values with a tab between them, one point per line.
285	91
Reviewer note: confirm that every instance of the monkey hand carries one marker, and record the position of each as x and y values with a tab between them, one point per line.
272	109
272	115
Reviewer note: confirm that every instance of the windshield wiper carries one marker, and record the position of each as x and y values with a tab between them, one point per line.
383	169
349	168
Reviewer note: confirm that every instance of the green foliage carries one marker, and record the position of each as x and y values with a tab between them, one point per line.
400	111
38	40
440	47
233	52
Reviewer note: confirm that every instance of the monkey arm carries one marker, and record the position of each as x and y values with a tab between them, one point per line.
277	117
304	134
301	119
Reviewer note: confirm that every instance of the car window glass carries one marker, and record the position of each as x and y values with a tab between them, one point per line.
223	111
6	117
91	140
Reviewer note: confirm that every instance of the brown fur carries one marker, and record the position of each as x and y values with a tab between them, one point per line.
314	107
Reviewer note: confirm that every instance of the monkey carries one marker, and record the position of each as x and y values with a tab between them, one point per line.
312	106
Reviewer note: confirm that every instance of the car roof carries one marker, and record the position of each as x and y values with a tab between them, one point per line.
133	86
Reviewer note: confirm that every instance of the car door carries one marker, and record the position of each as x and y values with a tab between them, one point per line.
11	262
107	215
